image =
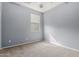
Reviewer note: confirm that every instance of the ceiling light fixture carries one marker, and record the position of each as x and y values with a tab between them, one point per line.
41	5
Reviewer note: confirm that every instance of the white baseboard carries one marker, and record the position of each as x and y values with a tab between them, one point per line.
21	44
64	46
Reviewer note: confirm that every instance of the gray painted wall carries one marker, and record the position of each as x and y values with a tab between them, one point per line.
62	25
16	25
0	24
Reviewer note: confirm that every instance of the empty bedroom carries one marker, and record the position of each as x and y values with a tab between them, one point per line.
39	29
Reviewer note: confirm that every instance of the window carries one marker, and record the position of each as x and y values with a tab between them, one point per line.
35	23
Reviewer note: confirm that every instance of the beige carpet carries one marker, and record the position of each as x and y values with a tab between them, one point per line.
39	49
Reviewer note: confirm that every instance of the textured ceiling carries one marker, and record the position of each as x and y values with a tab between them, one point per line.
41	6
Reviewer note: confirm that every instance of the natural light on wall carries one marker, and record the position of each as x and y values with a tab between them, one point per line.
50	36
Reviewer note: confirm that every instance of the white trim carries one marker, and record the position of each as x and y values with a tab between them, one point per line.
64	46
21	44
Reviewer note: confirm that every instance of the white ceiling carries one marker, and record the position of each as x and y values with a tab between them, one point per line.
36	5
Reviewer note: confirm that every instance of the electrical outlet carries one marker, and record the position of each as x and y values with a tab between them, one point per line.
9	41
